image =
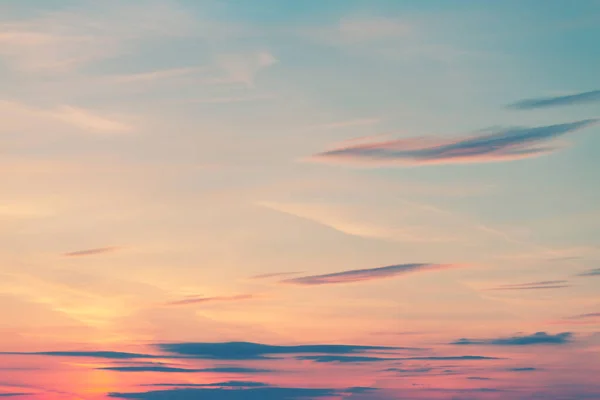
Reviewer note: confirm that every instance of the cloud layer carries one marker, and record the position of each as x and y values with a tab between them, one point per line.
558	284
358	275
257	351
556	101
502	145
521	340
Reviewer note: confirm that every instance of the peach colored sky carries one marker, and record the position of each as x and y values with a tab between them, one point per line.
195	191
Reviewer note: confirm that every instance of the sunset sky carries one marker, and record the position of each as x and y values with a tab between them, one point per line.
300	199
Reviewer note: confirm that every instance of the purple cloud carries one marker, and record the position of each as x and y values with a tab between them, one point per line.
502	145
358	275
556	101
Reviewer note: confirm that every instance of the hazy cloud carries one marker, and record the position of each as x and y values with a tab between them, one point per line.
91	252
359	275
232	370
522	369
231	384
498	145
558	284
585	316
591	272
521	340
254	351
556	101
91	354
269	393
217	299
275	275
344	359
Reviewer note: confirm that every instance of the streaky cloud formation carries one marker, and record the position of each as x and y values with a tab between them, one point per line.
91	354
501	145
216	299
591	272
275	275
556	101
358	275
522	369
585	316
232	370
269	393
91	252
557	284
257	351
538	338
230	384
344	359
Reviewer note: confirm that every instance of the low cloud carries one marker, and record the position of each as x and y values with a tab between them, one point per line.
558	284
522	369
591	272
229	384
344	359
359	275
217	299
230	370
113	355
274	393
538	338
585	316
257	351
557	101
91	252
498	145
275	275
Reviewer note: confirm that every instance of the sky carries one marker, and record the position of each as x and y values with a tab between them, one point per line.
299	200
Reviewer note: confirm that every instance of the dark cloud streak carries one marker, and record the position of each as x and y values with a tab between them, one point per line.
499	145
557	101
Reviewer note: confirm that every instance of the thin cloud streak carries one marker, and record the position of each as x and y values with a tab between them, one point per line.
591	272
538	338
557	284
91	252
359	275
217	299
275	275
557	101
503	145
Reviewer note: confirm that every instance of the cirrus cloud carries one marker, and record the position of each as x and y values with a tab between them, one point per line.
358	275
492	146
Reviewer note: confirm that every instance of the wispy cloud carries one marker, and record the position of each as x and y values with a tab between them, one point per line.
344	359
591	272
501	145
228	394
216	299
62	40
243	68
257	351
164	369
585	316
347	123
91	252
85	119
522	369
82	119
230	384
359	275
538	338
275	275
558	284
111	355
557	101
